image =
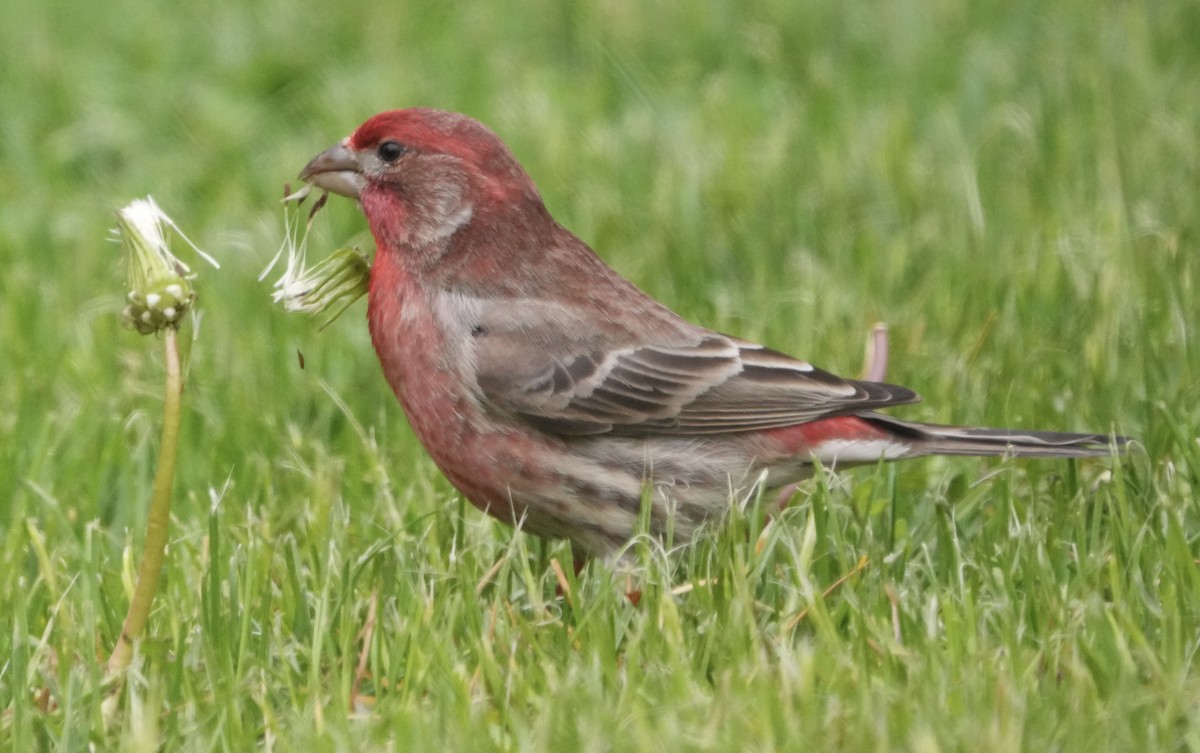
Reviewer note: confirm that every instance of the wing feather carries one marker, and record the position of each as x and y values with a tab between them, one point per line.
713	385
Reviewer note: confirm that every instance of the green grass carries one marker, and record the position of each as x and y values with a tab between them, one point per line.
1013	187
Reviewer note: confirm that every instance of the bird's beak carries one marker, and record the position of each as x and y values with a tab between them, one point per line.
336	170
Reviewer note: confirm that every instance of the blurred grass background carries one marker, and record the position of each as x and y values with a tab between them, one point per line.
1011	186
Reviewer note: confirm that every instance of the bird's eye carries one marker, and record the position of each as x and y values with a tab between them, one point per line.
390	151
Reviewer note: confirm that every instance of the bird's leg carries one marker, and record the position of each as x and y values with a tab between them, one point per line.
783	499
580	559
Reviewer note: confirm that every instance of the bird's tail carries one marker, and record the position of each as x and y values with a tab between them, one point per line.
932	439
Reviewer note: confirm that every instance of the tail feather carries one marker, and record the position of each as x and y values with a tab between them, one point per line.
933	439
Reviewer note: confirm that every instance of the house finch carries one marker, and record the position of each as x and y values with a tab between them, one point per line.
555	394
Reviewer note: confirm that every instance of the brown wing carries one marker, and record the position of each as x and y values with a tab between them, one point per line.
713	385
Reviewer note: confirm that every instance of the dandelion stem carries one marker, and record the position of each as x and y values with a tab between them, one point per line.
154	550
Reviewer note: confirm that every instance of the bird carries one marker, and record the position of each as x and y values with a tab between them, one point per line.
556	395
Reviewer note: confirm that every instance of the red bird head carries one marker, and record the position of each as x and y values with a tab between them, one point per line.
421	175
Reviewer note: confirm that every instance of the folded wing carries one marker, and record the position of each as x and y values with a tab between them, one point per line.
712	385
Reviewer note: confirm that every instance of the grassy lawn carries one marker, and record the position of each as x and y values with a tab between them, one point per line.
1013	187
